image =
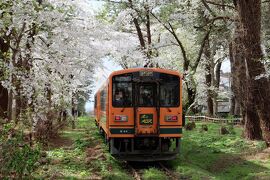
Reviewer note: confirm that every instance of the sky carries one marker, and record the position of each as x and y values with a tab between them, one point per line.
100	77
226	66
90	6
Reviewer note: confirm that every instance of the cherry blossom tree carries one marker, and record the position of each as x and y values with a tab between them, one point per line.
52	49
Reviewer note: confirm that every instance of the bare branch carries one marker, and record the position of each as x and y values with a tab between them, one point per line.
208	8
180	44
138	28
206	36
217	4
163	24
212	21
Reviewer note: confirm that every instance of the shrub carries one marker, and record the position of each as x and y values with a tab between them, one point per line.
17	157
190	126
204	127
82	143
231	129
223	130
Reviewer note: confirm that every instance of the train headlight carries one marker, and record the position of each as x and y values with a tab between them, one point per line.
121	118
171	118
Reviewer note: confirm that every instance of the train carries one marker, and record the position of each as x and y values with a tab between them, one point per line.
139	112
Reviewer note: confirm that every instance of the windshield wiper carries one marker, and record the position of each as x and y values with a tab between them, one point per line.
122	110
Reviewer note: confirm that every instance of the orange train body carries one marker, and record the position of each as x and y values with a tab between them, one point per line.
139	111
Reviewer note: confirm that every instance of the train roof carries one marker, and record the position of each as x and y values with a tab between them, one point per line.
130	70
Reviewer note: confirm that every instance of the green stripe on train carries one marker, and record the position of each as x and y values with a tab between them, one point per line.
170	130
122	131
131	130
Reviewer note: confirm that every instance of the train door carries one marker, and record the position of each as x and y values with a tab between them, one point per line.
146	111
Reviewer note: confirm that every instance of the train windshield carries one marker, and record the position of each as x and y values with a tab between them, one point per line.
146	95
122	91
125	90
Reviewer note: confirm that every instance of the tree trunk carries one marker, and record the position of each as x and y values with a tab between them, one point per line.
252	123
191	92
4	47
217	74
3	102
236	99
237	109
240	85
233	101
10	102
233	104
74	111
215	83
208	77
250	18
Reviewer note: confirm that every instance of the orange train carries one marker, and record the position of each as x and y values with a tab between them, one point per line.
139	111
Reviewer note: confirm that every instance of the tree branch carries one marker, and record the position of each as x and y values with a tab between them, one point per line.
211	21
179	43
206	36
208	8
138	28
217	4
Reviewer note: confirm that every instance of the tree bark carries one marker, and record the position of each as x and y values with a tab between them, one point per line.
250	18
239	86
208	78
252	123
3	102
237	109
4	47
215	83
233	104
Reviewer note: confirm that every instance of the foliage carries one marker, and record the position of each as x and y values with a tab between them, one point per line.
18	157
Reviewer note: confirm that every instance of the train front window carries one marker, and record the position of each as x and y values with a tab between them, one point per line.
122	91
169	91
146	95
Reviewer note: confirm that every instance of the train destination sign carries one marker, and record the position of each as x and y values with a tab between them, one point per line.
146	73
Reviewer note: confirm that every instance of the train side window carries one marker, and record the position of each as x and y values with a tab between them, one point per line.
103	96
169	95
122	90
122	94
95	101
169	91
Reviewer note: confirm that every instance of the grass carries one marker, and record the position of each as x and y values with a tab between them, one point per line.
204	155
69	160
154	174
210	155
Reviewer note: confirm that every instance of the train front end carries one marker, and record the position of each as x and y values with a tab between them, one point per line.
145	114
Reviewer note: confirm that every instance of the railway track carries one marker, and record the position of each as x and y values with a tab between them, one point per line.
136	169
169	173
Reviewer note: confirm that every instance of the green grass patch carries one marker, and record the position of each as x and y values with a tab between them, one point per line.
208	154
154	174
69	161
204	155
